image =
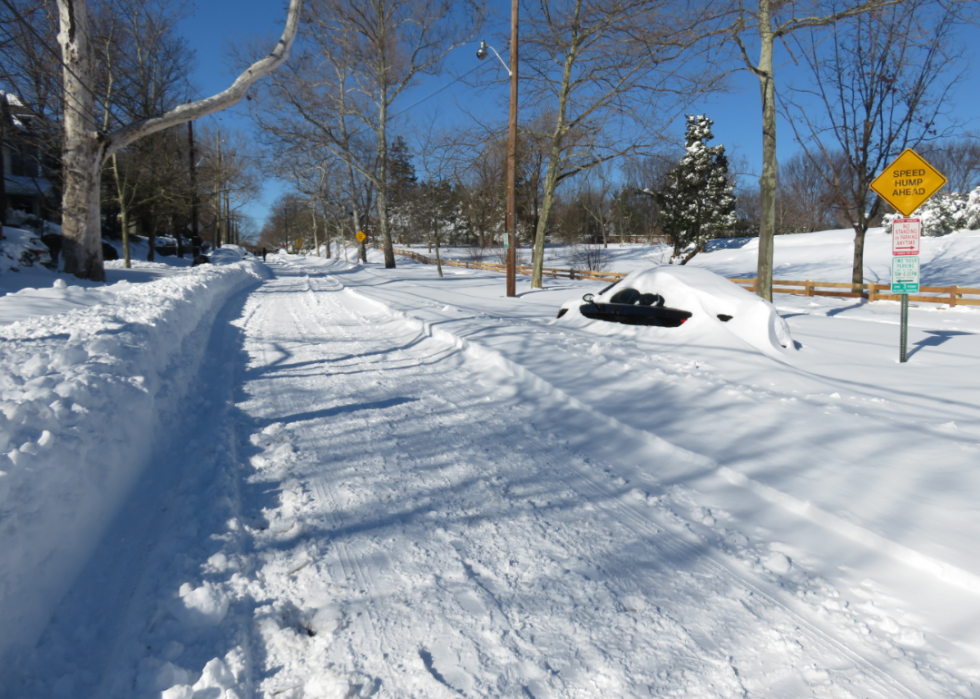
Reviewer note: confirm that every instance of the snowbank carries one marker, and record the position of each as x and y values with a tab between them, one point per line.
83	395
707	296
21	248
228	255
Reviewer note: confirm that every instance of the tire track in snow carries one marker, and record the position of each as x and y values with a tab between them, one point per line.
542	532
363	578
871	662
299	324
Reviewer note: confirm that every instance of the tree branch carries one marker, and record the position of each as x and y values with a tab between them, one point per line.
122	137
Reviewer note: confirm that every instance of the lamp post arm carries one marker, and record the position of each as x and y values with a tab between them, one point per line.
506	67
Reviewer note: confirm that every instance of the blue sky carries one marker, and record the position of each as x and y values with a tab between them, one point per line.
214	24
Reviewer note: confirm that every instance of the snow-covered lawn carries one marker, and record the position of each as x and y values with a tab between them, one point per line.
350	481
825	256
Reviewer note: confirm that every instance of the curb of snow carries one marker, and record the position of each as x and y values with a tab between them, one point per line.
83	397
945	572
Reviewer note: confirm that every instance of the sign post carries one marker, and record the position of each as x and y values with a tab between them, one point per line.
905	281
907	184
362	251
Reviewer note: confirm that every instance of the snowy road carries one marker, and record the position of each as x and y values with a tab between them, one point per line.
372	510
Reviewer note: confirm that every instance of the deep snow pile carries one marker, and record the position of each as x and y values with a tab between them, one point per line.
83	394
707	296
21	248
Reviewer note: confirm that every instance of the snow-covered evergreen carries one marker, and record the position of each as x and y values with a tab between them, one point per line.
945	213
698	203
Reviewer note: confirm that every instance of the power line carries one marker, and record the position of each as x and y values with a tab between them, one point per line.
415	104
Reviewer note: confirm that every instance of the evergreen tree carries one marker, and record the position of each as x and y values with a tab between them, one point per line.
401	171
697	203
402	184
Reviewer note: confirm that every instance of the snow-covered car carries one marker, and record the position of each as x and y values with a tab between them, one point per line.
228	254
672	296
631	307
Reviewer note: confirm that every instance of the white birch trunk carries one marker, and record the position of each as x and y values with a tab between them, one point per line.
86	148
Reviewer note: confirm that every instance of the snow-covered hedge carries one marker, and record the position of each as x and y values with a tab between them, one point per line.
945	213
80	393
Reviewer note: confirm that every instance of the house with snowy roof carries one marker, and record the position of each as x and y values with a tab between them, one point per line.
26	187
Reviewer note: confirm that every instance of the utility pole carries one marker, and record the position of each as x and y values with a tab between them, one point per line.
4	117
229	238
510	224
195	231
218	232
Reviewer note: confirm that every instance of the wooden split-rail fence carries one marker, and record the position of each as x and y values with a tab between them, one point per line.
873	291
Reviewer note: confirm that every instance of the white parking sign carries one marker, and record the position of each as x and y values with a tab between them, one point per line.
905	236
905	275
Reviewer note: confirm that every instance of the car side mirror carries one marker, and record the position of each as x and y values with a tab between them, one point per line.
588	298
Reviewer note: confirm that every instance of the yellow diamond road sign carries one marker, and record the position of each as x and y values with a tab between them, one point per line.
908	182
360	236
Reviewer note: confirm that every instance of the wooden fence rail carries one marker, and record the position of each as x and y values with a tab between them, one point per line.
554	272
873	291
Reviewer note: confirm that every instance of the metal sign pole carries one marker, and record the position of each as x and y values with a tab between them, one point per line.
907	184
904	355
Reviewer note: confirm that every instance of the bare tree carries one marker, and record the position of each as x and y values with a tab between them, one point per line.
358	59
314	174
142	69
87	147
605	70
881	85
769	21
289	217
958	160
595	197
480	175
805	200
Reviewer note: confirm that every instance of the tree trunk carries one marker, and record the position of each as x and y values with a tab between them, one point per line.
316	244
547	201
769	179
438	258
857	271
81	226
382	202
151	254
86	148
123	210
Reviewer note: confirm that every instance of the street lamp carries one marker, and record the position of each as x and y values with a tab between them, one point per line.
481	53
510	221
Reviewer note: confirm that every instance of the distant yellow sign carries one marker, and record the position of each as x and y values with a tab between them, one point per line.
360	236
908	182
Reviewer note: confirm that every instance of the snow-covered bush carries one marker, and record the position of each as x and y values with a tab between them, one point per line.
945	213
973	210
